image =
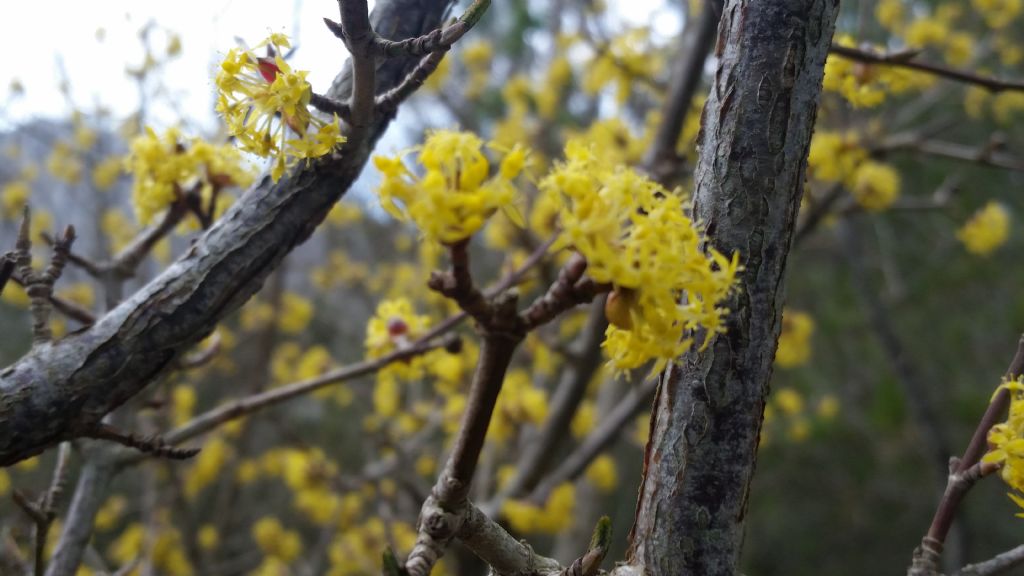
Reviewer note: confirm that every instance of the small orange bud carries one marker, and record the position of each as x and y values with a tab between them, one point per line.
618	307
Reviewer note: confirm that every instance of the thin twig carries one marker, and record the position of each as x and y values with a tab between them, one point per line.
245	406
987	154
357	34
662	159
906	60
999	564
153	445
927	555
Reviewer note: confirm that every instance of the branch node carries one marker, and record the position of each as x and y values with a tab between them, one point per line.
152	445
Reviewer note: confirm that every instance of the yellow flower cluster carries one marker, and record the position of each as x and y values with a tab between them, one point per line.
789	411
519	402
456	194
839	157
275	541
356	550
1006	442
167	553
636	236
602	473
875	185
834	156
477	57
988	229
628	58
13	197
165	166
308	474
795	340
207	466
263	101
551	518
998	13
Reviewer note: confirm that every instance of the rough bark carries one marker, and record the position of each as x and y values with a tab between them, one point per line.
756	129
62	390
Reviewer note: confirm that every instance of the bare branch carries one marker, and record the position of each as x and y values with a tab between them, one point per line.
357	34
439	40
502	552
564	404
153	445
570	289
987	154
636	402
999	564
245	406
662	160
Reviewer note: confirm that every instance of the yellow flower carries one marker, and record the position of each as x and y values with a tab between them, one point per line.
998	13
107	171
183	402
164	167
795	339
875	185
110	513
626	60
454	197
275	541
520	402
834	157
263	101
987	229
296	312
14	197
1006	441
636	236
789	401
208	537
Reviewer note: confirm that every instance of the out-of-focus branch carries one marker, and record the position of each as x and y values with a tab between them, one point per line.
928	555
245	406
987	154
999	564
906	59
564	404
662	160
598	440
90	492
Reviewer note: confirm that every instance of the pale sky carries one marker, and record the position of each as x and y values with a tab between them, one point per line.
39	34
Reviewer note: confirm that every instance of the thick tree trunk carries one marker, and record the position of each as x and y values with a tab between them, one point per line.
757	127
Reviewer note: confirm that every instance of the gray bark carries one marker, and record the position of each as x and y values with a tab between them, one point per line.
756	129
62	390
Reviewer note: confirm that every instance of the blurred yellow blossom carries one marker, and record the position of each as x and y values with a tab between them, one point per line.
986	230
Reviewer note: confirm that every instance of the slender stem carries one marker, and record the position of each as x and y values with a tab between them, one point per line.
906	60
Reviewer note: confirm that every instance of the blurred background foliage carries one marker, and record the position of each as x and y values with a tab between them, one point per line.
896	334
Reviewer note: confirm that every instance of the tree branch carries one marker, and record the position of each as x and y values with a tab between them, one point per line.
662	159
116	358
906	60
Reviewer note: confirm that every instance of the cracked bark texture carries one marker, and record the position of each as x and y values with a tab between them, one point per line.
61	390
756	129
